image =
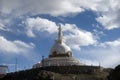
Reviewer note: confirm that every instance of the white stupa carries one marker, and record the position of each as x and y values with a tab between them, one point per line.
60	54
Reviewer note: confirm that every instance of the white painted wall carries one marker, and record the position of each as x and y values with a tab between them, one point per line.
3	69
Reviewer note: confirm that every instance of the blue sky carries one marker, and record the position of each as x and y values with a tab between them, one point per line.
28	30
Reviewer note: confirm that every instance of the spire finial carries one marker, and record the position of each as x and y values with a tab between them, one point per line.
60	33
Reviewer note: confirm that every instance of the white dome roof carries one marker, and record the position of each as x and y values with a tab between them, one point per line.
60	48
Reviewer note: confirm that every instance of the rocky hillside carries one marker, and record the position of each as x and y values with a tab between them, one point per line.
61	73
115	74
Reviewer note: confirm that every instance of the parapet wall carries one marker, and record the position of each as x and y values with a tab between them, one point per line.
72	69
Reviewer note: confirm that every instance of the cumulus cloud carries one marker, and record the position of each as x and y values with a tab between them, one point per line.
109	21
108	9
111	44
56	7
106	57
108	12
73	36
15	46
40	25
107	54
77	37
109	16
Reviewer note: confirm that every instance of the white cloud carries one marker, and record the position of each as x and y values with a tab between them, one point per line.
56	7
39	25
110	17
73	36
111	44
106	57
5	22
98	34
111	51
1	26
108	9
89	62
107	54
77	37
110	20
16	46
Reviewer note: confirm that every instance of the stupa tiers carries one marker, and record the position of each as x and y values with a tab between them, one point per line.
60	54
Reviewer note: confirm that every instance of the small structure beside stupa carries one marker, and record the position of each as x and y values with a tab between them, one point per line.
3	70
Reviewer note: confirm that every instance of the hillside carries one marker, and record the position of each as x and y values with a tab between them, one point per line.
61	73
115	74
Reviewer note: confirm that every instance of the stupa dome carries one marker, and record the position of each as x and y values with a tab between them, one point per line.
60	49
